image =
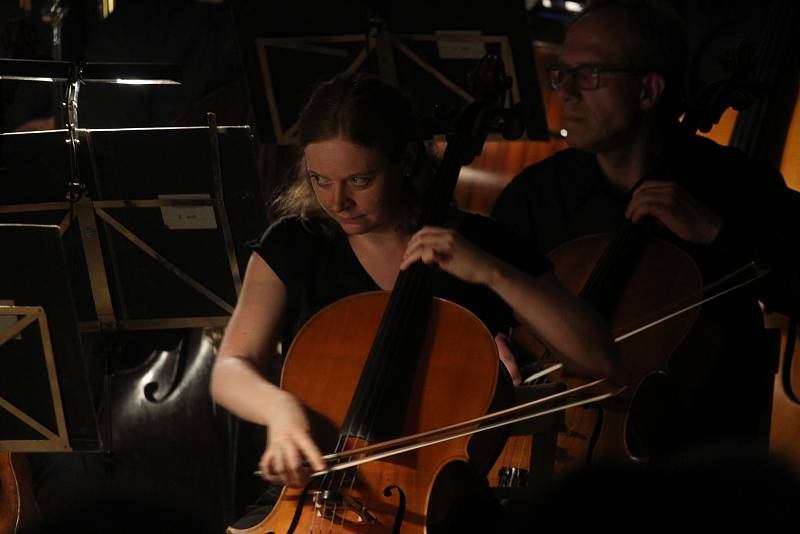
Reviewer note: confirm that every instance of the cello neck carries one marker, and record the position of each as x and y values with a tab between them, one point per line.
380	400
613	270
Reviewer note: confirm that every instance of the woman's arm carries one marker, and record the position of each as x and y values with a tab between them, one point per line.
238	384
557	317
562	321
250	340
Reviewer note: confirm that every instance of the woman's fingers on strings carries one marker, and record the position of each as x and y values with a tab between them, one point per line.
426	255
414	252
430	245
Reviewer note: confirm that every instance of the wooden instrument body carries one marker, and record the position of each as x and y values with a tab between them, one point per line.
456	378
661	276
162	425
785	431
18	509
607	431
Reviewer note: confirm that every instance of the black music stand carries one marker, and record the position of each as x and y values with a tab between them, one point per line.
175	208
426	48
159	239
45	400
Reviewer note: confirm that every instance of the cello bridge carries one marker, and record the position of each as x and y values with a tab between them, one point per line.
327	503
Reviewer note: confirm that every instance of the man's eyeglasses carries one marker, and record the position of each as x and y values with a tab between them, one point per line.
586	77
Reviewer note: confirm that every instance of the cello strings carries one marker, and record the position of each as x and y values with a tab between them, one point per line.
327	484
447	437
354	475
340	481
410	287
331	479
491	417
385	340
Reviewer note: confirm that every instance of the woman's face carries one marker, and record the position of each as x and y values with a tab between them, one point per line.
355	185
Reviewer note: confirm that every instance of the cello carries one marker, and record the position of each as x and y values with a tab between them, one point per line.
628	277
17	504
376	366
622	443
631	276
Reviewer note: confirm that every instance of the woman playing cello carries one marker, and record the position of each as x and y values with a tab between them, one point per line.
350	225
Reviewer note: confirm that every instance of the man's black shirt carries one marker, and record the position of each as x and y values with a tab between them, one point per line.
724	393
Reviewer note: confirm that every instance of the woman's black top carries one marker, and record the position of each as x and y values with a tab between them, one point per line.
318	268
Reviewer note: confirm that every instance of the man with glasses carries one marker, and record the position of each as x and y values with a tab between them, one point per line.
620	78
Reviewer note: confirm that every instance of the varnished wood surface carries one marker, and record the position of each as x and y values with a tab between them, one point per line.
784	439
18	509
455	380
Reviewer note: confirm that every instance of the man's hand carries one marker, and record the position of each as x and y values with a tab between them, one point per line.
675	208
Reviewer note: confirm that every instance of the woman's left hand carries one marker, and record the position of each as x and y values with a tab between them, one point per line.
448	250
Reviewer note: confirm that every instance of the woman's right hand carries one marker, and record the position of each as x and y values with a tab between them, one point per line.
290	444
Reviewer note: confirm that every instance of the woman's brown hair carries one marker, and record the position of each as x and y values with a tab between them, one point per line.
368	112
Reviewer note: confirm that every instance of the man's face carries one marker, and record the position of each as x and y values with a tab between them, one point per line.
603	118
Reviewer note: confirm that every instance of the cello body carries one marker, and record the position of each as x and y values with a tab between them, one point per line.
455	379
18	509
785	430
162	426
628	427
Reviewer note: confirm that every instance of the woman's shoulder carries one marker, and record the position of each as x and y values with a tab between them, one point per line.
294	227
291	234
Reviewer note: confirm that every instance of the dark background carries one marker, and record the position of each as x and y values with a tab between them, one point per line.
212	43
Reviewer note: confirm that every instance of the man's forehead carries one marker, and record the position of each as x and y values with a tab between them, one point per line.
600	36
